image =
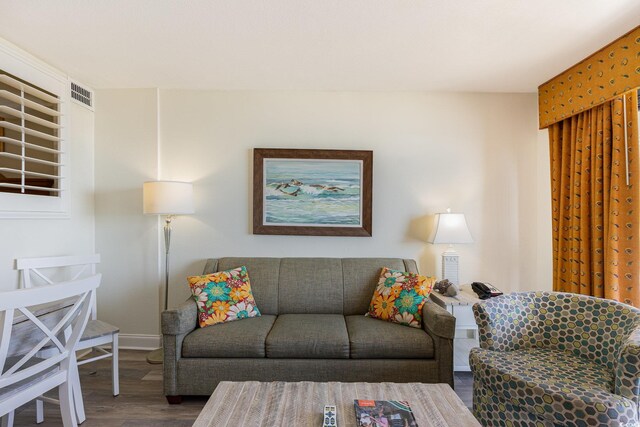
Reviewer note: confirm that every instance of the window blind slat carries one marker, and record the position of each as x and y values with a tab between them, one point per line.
27	103
30	187
5	109
29	159
17	84
27	173
29	145
37	134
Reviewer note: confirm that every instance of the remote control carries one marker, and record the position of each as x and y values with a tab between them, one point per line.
330	416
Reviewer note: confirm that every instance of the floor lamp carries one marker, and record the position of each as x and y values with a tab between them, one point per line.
167	198
450	228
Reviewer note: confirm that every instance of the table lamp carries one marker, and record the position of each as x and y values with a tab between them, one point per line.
450	228
167	198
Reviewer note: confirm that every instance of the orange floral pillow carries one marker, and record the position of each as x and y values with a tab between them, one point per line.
399	297
223	296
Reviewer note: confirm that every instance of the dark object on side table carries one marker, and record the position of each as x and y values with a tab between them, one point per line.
445	287
485	292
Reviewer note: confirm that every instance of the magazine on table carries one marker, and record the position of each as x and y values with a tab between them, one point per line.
384	413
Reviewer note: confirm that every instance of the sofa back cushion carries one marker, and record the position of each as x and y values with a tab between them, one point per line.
312	285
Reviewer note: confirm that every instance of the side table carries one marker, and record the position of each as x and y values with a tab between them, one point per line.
466	336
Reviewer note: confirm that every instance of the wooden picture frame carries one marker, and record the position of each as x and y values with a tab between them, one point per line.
312	192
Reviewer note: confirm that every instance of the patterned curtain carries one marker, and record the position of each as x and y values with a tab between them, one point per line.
596	215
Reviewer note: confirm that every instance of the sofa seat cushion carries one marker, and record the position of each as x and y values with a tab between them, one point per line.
231	339
377	339
555	385
308	336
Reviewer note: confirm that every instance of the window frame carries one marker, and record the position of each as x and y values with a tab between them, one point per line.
33	71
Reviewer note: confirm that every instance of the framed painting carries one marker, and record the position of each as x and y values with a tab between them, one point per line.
312	192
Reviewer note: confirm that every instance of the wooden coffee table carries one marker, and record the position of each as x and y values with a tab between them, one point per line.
252	403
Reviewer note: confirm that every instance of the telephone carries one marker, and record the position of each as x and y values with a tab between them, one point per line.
485	290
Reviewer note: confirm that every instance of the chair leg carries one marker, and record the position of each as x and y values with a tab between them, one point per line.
39	411
76	392
7	420
67	410
115	375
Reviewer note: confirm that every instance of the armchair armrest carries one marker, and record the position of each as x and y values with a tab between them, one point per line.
438	321
508	322
180	320
627	374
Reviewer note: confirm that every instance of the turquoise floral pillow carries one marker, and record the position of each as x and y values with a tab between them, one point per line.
399	297
223	297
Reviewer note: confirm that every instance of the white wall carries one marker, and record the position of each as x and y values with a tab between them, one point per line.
50	237
126	156
479	154
544	267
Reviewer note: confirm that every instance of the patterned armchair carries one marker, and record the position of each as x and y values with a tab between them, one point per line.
556	359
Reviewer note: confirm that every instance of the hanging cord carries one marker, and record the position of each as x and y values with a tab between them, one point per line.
626	143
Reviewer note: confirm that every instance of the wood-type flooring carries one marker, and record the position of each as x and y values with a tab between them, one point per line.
141	402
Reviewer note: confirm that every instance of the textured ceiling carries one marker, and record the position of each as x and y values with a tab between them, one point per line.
443	45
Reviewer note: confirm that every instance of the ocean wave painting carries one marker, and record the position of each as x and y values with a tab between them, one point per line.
313	192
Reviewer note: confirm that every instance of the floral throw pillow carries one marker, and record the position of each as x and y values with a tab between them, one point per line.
399	297
223	296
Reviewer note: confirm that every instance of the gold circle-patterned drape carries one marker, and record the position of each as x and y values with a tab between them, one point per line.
595	214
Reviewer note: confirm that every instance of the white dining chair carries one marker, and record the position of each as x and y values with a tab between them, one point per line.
47	271
24	376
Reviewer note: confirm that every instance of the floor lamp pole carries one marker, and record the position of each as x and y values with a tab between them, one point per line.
168	199
157	355
167	245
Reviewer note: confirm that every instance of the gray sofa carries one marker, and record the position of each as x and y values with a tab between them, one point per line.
312	328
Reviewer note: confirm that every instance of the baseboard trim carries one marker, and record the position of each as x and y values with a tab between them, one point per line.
138	342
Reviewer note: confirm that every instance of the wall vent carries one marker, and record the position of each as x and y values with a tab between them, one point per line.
81	95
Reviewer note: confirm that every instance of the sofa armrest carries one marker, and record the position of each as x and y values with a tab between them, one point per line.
176	325
441	327
180	320
438	321
627	374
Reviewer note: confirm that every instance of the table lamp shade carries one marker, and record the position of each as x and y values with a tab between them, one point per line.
450	228
167	198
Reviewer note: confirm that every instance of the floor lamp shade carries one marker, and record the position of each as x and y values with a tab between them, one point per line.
167	198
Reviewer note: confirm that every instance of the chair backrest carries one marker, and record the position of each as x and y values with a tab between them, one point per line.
589	327
19	311
47	270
